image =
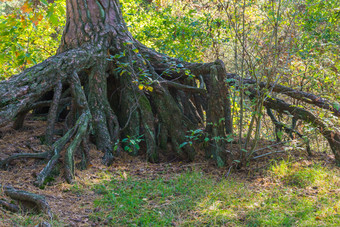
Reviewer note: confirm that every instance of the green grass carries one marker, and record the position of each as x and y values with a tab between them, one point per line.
289	195
156	201
27	220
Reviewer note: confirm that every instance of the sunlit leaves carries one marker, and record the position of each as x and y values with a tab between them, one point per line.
175	29
144	87
30	32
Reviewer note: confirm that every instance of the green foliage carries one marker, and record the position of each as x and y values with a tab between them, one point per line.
176	29
317	46
198	136
30	33
131	143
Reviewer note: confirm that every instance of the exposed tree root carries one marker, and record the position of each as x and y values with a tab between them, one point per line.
332	136
162	112
298	95
6	161
279	126
9	206
52	115
55	153
78	133
21	91
28	201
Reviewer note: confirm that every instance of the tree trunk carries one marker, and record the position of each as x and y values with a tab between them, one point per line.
121	89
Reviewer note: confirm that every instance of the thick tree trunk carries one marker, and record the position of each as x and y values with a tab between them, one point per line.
120	89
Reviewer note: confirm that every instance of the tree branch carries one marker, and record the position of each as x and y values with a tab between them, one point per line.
299	95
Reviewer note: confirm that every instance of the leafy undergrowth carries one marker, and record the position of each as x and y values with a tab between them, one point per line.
289	195
289	191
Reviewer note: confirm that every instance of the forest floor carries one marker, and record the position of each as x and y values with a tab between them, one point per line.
286	189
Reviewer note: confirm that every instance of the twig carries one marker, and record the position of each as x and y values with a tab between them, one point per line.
273	152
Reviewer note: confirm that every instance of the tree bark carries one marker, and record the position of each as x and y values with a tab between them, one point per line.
120	90
28	201
332	136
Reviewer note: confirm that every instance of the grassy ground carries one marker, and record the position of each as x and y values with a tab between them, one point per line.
288	195
295	191
285	193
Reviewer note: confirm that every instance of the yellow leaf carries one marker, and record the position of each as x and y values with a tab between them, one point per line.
140	87
150	89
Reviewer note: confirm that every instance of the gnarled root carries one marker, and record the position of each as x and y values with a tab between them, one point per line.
5	162
161	116
27	201
279	126
333	137
9	206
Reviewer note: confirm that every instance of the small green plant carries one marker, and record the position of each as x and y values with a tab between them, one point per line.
194	135
131	144
199	136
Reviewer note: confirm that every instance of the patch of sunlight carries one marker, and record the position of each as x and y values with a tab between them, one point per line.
293	194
